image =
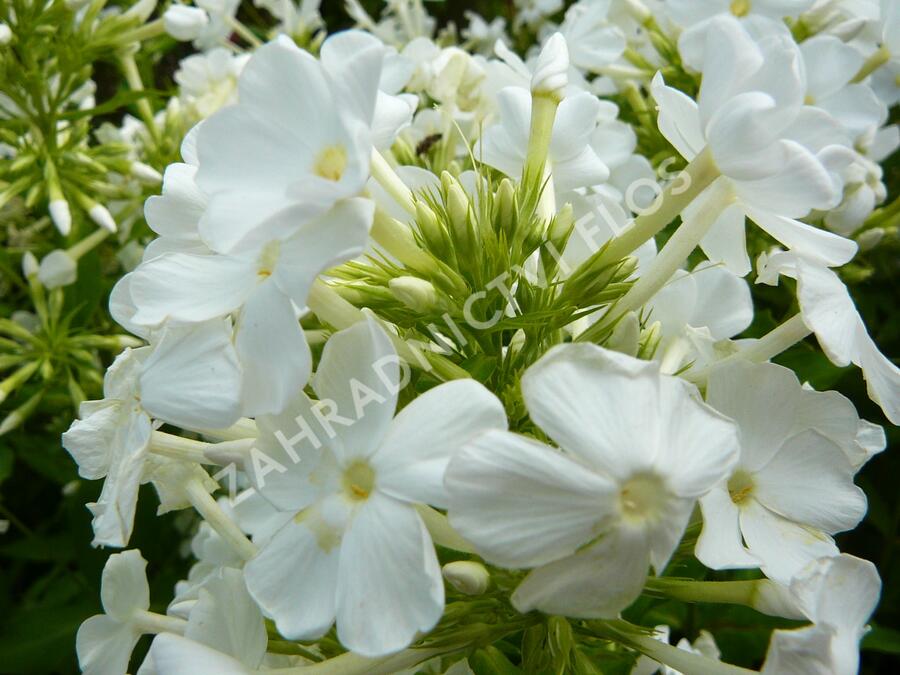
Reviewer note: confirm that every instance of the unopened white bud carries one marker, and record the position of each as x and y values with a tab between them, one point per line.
467	576
551	74
870	238
185	23
5	34
101	215
417	294
58	269
141	10
146	173
61	216
626	335
29	265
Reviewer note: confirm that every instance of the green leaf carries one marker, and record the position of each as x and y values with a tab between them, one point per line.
881	639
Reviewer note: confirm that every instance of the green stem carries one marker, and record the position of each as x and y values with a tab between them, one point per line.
670	258
145	32
679	659
385	175
767	347
243	31
353	664
87	244
695	178
213	514
543	114
873	63
133	78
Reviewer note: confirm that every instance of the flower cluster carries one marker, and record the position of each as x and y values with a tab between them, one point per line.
459	330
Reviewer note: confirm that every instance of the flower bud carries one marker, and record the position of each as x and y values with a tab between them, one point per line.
101	215
551	74
185	23
458	210
429	226
5	34
141	10
417	294
467	576
57	269
145	173
561	227
61	215
505	201
29	265
870	238
626	335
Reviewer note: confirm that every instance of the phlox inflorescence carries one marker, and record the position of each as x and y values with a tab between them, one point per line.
411	305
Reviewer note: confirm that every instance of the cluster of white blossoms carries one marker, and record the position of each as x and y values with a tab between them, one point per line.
408	310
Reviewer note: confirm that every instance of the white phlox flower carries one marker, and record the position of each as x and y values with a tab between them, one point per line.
779	157
838	595
793	486
828	311
591	517
356	551
188	378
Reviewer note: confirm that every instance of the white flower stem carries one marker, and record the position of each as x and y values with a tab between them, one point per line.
188	450
762	595
695	178
243	428
767	347
353	664
147	31
176	447
670	258
543	115
152	623
87	244
387	178
873	63
679	659
243	31
218	520
133	78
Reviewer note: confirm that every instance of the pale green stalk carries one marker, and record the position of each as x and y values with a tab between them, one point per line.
670	258
765	348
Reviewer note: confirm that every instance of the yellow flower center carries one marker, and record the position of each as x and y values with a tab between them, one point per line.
268	259
741	487
331	163
642	497
358	480
740	7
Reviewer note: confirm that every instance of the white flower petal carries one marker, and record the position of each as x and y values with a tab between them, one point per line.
390	586
597	582
810	481
294	577
424	436
543	505
595	403
193	379
359	379
104	646
720	545
267	328
783	546
174	655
